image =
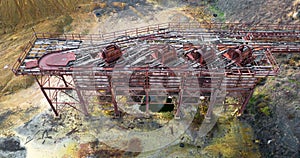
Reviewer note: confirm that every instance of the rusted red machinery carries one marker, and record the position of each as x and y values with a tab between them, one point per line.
146	65
240	55
192	53
111	53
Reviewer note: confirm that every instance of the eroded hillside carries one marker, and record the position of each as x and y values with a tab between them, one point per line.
17	19
260	11
20	13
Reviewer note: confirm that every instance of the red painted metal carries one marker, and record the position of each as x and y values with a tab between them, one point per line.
239	45
31	64
83	104
54	61
111	53
113	97
46	96
241	55
194	54
246	97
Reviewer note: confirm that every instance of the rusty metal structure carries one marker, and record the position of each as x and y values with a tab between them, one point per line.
147	65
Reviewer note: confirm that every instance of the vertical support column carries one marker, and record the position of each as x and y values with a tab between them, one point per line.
211	105
46	95
216	92
177	114
113	97
147	101
146	87
246	101
82	102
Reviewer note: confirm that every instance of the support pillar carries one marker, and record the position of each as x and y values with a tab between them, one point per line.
147	101
82	102
46	96
146	88
246	101
211	106
213	100
117	112
177	114
113	97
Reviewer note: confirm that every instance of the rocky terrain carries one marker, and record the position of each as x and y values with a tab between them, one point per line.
269	128
11	148
259	11
278	128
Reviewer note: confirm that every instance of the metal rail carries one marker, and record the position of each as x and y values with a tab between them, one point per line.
239	79
228	29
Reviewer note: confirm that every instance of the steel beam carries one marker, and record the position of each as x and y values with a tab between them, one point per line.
46	95
113	97
246	101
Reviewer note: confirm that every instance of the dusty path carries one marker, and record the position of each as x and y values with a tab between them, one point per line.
130	19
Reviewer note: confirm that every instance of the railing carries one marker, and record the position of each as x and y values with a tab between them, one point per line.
23	54
165	27
152	29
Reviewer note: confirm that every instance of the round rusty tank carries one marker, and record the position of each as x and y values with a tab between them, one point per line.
194	54
111	53
241	55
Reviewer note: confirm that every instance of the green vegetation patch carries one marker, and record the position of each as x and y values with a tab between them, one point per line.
259	102
237	142
220	15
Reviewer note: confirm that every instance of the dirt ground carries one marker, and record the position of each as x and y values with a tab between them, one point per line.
19	111
260	11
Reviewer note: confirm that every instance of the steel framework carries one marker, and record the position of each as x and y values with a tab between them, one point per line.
146	65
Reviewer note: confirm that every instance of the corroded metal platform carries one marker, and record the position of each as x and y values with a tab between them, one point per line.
146	65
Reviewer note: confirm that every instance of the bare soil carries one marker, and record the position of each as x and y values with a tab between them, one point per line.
18	108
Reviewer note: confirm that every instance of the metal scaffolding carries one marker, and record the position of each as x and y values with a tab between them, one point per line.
147	65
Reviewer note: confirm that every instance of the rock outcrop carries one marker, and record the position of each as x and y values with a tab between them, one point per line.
11	148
